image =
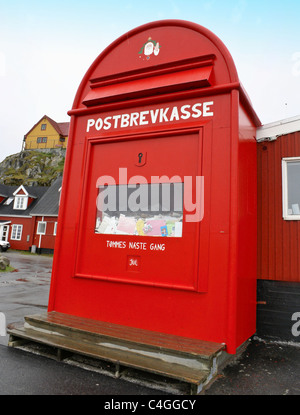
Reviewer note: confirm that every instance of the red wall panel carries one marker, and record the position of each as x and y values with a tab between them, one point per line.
46	241
278	239
27	228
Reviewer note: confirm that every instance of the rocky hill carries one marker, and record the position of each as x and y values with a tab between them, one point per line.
32	167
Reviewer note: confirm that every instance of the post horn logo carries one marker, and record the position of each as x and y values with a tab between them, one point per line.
151	47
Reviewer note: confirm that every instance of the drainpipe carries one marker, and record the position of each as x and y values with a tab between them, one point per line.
33	226
40	238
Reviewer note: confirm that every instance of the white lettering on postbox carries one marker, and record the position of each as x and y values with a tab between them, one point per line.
151	117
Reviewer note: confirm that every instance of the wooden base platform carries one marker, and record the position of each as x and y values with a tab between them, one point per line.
192	362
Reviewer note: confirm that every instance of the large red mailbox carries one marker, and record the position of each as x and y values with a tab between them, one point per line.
157	226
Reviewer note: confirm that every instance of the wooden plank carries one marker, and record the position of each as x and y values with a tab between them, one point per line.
135	335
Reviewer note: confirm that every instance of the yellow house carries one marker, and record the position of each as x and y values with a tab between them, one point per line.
47	133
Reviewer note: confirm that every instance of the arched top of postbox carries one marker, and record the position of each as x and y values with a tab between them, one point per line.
157	58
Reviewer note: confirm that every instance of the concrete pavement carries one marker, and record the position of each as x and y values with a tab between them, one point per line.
26	290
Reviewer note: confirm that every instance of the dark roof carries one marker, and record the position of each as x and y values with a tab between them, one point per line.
48	204
64	128
33	191
7	191
61	127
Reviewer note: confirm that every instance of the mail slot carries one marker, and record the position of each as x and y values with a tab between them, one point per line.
157	225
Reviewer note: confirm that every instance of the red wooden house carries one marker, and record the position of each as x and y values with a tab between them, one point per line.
44	215
278	272
28	216
16	224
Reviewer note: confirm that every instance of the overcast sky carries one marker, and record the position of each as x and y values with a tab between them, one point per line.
47	46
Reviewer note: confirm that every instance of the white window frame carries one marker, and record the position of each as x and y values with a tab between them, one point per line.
8	201
55	228
4	231
39	232
21	202
15	231
284	163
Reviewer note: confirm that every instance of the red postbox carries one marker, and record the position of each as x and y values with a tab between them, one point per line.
157	222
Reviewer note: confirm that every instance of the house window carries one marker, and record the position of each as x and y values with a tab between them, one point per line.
291	188
55	228
21	202
4	229
43	127
8	201
41	140
41	228
16	232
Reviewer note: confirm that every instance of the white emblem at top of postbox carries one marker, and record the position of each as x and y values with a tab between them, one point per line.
149	48
151	117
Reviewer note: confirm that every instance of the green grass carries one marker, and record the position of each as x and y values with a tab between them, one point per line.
8	269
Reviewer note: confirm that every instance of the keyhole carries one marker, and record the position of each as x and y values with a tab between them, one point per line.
140	157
